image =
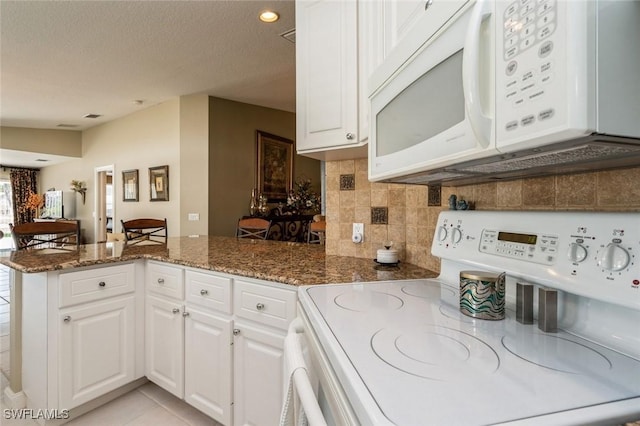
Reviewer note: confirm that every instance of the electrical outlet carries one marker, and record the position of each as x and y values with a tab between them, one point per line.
358	233
194	216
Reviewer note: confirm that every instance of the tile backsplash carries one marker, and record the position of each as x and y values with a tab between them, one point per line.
410	223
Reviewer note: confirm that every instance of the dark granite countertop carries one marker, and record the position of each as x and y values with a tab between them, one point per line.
288	263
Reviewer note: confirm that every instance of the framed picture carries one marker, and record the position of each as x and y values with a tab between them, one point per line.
130	185
275	166
159	183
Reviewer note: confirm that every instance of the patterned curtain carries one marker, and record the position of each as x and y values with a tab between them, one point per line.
23	183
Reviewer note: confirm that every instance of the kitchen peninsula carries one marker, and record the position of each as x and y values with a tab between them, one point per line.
283	262
203	317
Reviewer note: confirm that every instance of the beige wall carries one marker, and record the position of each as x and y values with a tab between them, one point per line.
54	142
194	163
411	224
232	158
147	138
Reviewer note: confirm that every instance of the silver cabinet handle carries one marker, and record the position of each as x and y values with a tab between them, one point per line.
350	136
428	4
160	280
175	310
236	331
66	318
102	284
185	314
260	306
204	292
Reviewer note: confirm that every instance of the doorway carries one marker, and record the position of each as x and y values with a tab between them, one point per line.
105	206
6	214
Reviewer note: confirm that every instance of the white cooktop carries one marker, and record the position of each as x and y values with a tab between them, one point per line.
405	355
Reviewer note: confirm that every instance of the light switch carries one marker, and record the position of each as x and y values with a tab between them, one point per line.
194	216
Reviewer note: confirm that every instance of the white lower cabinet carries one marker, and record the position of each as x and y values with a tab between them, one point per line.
82	334
207	367
97	350
164	344
258	374
263	313
188	345
214	340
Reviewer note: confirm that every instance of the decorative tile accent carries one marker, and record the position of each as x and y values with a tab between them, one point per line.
434	197
379	215
348	182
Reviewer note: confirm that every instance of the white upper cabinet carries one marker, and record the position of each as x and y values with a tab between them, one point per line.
331	95
406	25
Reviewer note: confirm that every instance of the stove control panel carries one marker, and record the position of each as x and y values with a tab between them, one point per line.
538	248
594	254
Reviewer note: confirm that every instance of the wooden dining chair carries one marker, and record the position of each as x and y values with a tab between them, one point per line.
60	234
139	230
253	227
317	232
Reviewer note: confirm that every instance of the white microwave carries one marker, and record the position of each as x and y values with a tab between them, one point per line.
511	89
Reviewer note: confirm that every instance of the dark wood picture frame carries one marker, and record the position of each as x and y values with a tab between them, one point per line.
159	183
274	166
130	186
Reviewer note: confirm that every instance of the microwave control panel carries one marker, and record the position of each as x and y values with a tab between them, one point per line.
530	64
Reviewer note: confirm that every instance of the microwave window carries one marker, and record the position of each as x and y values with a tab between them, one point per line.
430	105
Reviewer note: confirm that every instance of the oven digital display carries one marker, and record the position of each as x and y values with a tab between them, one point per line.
517	238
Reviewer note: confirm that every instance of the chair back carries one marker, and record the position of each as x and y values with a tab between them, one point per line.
138	230
253	227
61	234
316	234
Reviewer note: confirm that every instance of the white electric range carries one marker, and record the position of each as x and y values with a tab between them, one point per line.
400	352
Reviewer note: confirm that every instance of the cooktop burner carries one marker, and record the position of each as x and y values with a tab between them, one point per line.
557	353
428	291
369	301
434	352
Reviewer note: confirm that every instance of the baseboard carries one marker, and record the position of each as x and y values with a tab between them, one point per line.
15	400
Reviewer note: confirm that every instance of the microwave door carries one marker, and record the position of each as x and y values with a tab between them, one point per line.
433	112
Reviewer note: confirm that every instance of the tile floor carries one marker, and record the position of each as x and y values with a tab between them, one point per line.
146	405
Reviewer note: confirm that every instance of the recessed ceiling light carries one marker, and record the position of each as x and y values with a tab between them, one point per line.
67	125
92	116
269	16
43	160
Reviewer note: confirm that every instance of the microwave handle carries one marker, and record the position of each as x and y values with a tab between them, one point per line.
480	123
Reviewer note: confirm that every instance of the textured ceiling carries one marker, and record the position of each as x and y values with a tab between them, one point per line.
60	60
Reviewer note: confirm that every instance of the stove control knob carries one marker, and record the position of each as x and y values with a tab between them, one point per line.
613	258
577	252
442	233
456	235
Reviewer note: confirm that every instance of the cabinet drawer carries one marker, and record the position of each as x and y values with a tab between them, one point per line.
165	280
266	305
96	284
209	290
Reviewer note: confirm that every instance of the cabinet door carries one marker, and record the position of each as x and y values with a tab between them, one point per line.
208	372
326	74
164	344
258	375
407	25
400	17
97	350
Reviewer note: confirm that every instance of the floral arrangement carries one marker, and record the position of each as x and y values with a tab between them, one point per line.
34	202
302	198
80	187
